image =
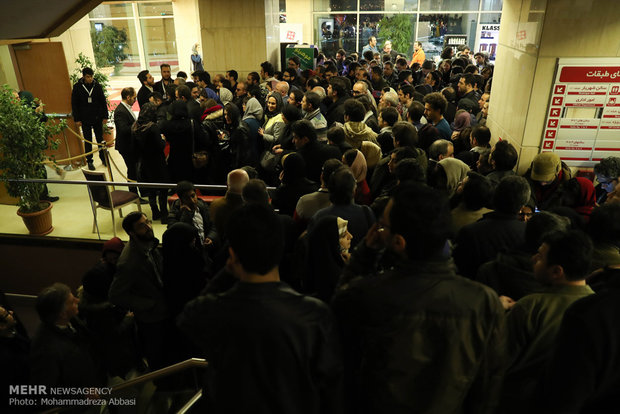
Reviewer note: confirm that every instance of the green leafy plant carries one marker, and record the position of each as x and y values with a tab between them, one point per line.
23	141
399	30
109	45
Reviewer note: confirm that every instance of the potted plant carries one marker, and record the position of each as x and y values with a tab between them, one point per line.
23	141
84	61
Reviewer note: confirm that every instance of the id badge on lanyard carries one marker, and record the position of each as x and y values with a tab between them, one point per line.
90	98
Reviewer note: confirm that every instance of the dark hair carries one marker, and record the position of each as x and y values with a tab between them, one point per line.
402	153
267	68
512	193
469	79
256	237
504	155
388	63
446	53
142	76
338	85
255	76
184	187
184	92
349	156
131	219
470	69
368	55
294	59
90	72
573	251
540	225
354	109
297	94
437	101
226	83
181	74
329	167
313	99
127	92
436	77
304	129
254	91
604	225
157	96
401	62
482	134
608	167
408	90
341	186
415	111
477	191
191	85
233	74
409	169
51	302
331	68
405	134
421	215
376	70
389	115
204	76
255	191
336	134
291	72
291	113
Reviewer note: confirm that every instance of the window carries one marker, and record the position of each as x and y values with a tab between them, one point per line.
134	36
336	31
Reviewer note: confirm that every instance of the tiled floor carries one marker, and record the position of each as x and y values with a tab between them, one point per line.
72	215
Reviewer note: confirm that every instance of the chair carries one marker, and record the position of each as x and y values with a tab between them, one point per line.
103	197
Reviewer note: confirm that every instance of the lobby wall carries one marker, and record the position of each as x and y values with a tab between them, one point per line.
533	35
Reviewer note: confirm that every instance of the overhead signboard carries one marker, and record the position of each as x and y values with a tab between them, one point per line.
583	118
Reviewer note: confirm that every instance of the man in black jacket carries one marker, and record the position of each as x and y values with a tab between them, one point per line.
90	111
147	82
500	230
166	80
124	118
336	95
193	211
314	153
262	337
418	337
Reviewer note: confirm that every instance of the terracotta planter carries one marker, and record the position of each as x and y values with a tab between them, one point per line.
38	223
108	137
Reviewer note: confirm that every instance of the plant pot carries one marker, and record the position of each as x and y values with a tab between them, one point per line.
38	223
108	137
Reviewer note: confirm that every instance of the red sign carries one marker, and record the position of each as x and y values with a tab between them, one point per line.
557	101
555	112
553	123
615	90
587	74
548	145
521	35
559	89
290	35
550	134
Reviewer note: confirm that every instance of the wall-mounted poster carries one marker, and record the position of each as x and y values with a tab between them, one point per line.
487	39
583	118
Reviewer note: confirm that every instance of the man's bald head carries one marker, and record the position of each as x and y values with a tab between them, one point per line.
282	88
319	90
236	180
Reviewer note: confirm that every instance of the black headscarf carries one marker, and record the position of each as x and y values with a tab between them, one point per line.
234	114
178	110
146	118
325	262
278	98
294	168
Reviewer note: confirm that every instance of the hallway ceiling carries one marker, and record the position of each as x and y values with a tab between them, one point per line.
35	19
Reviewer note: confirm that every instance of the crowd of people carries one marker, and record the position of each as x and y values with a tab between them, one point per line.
400	264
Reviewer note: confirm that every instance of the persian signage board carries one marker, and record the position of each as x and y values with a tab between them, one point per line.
583	118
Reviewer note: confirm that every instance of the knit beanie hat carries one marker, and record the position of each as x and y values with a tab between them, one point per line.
113	245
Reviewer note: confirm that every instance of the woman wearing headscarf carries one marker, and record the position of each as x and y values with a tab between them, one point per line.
448	174
234	141
273	125
328	251
196	58
294	184
357	163
462	120
253	117
178	133
151	159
